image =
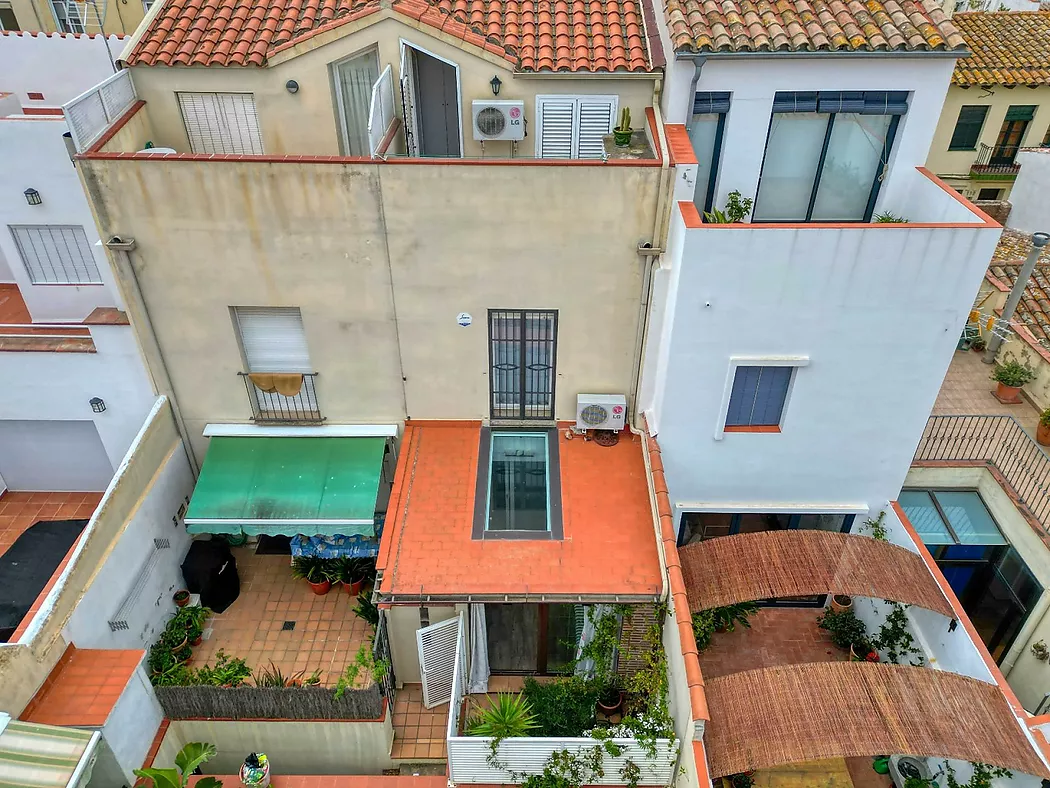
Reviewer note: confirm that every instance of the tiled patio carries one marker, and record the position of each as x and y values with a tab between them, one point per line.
967	390
20	510
778	636
325	633
419	732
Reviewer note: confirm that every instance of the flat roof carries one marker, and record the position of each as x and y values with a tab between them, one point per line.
609	538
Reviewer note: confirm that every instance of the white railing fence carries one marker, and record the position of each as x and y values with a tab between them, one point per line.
380	110
92	112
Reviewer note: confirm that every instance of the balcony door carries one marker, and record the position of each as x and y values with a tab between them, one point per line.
522	350
1011	135
354	78
532	638
430	93
278	360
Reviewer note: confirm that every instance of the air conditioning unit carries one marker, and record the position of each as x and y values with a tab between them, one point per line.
904	766
601	411
498	120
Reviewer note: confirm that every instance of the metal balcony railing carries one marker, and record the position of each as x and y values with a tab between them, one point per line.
997	160
997	442
271	407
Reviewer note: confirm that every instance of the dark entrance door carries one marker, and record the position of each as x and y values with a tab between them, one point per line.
438	107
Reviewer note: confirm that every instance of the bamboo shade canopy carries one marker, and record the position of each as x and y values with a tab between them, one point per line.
773	716
776	564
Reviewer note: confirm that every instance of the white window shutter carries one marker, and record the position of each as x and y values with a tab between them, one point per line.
556	127
56	254
221	123
273	339
597	116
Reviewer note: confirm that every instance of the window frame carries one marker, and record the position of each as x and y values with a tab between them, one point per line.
713	99
340	103
884	158
796	362
523	408
483	486
952	146
86	251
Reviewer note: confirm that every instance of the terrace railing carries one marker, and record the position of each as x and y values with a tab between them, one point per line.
997	161
94	111
381	653
998	442
272	407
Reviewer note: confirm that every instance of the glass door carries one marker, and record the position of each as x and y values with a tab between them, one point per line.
354	78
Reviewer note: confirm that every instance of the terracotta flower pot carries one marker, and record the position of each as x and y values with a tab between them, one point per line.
181	598
1008	395
320	588
354	588
615	707
1042	434
841	602
196	641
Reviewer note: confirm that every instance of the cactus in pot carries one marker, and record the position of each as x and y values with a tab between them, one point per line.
622	133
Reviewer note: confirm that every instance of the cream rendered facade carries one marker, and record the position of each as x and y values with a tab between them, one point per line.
954	166
118	17
307	122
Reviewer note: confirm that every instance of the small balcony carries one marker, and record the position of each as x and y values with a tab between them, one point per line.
995	164
282	398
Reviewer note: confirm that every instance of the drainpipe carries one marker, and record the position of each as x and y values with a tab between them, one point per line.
698	66
1039	240
158	368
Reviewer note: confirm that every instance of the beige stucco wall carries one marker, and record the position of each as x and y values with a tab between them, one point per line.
353	245
305	123
133	135
956	164
1028	677
402	624
120	16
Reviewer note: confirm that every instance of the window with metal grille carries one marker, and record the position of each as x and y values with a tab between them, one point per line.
758	397
522	350
572	127
221	123
56	255
280	379
968	128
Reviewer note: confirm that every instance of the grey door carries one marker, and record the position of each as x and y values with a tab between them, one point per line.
438	106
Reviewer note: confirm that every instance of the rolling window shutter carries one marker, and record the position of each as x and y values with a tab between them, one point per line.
1021	112
597	116
771	394
556	128
710	103
794	102
273	339
968	128
745	387
221	123
56	255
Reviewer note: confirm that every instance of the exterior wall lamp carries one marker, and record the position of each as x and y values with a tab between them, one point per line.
97	404
33	197
291	86
495	83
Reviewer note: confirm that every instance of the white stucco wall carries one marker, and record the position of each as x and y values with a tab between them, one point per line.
35	157
132	724
87	627
59	66
874	312
56	386
1031	210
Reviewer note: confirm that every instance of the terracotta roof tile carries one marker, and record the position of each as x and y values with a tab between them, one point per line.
809	26
1008	48
533	35
1033	312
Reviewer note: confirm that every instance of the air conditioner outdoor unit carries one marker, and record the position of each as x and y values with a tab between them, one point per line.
904	766
498	120
601	411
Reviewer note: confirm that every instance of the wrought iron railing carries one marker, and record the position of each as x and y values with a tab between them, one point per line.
272	407
997	160
998	442
381	655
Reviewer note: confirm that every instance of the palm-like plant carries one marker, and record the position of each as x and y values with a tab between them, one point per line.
186	762
505	717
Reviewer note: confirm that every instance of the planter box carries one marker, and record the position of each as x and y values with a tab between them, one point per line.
269	703
468	759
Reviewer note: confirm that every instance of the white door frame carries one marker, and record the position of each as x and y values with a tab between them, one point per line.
403	43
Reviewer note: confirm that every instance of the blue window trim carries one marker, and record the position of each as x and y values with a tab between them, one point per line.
893	103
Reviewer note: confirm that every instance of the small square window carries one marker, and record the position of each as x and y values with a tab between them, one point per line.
989	194
518	491
758	397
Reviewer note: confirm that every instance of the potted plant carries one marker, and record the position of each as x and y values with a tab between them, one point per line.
315	571
840	602
978	344
737	209
186	762
610	697
353	573
1010	375
742	780
175	639
191	620
181	598
843	627
622	133
504	717
1042	432
862	651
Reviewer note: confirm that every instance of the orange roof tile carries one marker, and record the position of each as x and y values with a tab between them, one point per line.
83	687
533	35
609	545
1008	48
1033	310
808	26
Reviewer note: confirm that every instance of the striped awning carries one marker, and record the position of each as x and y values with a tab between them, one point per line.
44	756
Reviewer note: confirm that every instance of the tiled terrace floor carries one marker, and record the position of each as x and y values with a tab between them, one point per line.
419	732
326	632
967	390
778	636
19	510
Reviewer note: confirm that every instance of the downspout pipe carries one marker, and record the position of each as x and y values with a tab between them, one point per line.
155	363
1039	240
698	66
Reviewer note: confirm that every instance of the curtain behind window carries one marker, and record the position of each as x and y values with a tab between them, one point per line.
356	78
850	166
792	154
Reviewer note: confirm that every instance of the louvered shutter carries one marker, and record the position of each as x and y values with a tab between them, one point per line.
556	123
56	254
597	116
273	339
438	647
221	123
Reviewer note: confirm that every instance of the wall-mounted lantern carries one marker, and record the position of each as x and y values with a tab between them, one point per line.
33	197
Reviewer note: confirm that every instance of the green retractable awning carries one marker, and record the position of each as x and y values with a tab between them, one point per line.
44	756
287	485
